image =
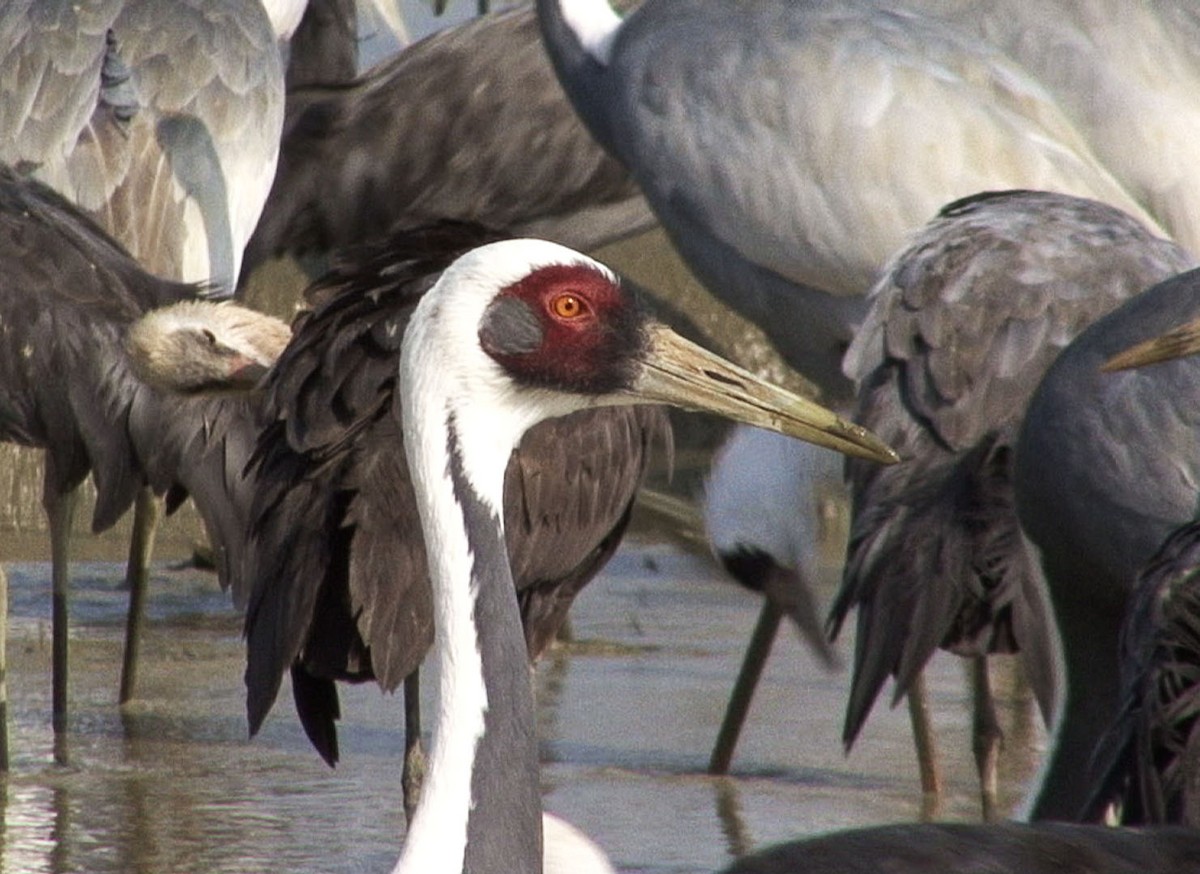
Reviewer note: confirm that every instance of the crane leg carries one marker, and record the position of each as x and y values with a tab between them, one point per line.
137	579
987	736
926	746
743	689
3	671
414	753
60	510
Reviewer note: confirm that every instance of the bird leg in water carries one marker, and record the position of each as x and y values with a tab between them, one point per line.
3	671
60	511
413	774
986	736
743	688
137	580
926	747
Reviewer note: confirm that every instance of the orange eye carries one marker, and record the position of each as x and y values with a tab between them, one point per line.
567	306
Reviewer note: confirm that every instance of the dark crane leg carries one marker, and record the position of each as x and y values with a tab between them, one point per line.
3	671
743	688
926	745
60	510
137	579
414	754
987	736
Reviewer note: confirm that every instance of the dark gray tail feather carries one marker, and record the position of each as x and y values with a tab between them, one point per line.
1148	763
937	559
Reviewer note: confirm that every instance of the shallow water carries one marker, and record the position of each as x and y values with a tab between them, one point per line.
628	713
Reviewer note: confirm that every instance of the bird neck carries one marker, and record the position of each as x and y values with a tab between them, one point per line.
578	35
480	810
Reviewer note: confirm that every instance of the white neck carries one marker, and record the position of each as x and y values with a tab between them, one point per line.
594	23
451	809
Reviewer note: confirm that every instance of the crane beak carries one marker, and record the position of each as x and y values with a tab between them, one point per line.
1176	343
683	374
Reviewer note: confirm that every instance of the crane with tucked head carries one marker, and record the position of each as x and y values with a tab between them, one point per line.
68	296
161	121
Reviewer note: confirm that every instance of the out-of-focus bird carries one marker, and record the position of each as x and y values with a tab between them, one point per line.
963	323
765	506
790	148
162	121
1107	466
468	124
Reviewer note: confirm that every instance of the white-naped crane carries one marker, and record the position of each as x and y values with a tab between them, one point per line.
514	332
765	511
1107	467
963	324
519	331
469	124
789	148
68	295
353	603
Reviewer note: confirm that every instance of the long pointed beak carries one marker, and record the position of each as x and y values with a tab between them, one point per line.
1176	343
681	373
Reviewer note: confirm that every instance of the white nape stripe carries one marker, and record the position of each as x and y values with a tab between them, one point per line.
471	386
437	838
595	25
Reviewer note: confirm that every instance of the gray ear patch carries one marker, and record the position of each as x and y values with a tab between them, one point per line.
510	327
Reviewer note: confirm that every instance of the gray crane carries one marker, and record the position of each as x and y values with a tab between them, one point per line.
1146	762
962	325
788	148
1106	469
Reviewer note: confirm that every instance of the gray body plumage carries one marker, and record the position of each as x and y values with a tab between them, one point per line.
1107	467
468	124
67	293
788	148
160	120
963	324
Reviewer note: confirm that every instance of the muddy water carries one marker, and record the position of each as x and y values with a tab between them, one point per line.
628	712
